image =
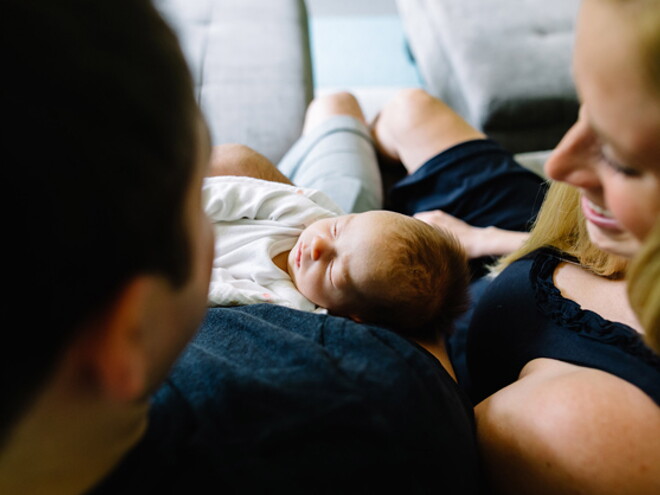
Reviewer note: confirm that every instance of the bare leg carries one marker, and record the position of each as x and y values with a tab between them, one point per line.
237	159
414	127
324	107
336	155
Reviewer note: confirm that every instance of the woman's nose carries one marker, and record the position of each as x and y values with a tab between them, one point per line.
574	158
320	245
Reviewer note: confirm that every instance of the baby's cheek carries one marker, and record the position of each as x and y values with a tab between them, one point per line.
305	286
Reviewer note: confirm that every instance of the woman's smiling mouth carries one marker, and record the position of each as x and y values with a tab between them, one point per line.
599	216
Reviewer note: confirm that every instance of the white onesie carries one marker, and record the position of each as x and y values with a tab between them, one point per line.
255	220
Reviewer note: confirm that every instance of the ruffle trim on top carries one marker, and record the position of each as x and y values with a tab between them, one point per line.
570	315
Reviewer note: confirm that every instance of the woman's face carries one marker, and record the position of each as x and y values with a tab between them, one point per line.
612	153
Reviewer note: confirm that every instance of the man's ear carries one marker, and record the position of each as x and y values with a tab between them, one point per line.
116	351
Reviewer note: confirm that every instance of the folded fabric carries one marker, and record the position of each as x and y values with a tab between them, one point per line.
254	221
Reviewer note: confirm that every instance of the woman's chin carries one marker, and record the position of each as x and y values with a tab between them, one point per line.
621	243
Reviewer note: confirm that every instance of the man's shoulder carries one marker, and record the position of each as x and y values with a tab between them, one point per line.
300	353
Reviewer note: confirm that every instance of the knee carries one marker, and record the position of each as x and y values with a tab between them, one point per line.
411	98
407	110
231	154
231	159
326	106
339	99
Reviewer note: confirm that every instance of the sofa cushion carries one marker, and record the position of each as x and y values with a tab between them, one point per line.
504	65
250	60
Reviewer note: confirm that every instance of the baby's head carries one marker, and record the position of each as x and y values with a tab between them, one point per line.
384	268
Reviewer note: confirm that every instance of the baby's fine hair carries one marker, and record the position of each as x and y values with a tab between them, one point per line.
424	278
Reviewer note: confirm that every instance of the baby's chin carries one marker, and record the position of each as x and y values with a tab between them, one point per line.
314	298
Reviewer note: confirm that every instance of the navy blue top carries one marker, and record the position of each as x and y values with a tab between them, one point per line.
477	181
269	399
522	316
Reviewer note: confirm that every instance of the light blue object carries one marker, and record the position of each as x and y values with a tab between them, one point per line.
361	51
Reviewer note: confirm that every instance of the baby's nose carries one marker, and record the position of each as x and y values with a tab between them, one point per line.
320	244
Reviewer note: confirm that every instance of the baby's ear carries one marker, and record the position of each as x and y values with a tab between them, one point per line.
345	314
356	318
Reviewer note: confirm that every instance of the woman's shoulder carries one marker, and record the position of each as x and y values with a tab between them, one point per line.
570	427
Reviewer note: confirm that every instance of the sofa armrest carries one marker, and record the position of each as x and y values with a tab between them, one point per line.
504	65
251	64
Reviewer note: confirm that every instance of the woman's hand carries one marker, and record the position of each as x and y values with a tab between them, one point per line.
477	241
468	235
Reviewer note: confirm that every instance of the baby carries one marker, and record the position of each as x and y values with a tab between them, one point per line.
286	245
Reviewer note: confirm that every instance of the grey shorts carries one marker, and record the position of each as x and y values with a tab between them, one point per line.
338	158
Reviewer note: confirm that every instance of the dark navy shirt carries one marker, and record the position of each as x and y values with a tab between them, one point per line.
268	399
522	316
477	181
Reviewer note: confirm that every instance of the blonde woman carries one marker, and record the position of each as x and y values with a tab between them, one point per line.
567	391
582	413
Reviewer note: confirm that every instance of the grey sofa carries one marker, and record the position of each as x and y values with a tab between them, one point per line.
250	60
504	65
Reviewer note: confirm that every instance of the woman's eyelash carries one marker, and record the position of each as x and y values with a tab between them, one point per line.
618	167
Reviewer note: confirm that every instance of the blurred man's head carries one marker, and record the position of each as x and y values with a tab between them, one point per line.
106	151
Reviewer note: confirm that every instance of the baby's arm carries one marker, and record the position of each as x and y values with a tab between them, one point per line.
236	159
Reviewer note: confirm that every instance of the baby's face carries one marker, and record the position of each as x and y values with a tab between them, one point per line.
335	259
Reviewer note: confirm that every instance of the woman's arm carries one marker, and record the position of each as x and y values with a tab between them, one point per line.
477	241
564	429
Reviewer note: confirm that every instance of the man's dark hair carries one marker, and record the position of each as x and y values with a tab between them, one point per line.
100	146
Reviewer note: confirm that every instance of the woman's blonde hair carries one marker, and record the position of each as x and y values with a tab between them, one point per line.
644	287
561	225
